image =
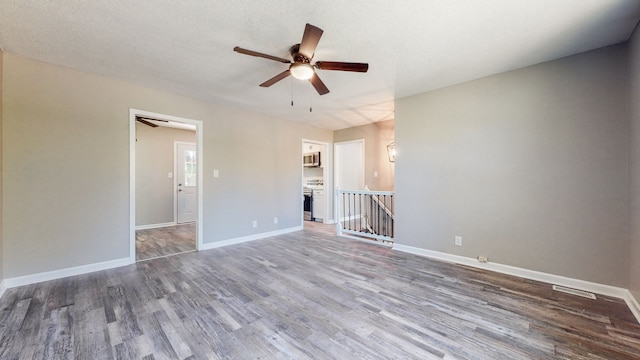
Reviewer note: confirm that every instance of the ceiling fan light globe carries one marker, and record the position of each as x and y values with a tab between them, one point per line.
302	71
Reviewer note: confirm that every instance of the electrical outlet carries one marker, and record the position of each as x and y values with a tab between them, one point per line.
483	259
458	241
255	223
275	220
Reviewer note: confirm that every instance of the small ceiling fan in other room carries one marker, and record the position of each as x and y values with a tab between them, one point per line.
301	67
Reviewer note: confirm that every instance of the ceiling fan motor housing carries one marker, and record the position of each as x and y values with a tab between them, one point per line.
297	57
301	67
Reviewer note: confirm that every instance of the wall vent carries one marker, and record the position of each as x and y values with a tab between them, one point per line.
576	292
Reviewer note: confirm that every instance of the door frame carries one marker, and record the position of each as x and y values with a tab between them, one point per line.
327	176
175	176
133	113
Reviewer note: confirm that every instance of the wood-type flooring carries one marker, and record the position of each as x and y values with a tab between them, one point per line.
308	295
164	241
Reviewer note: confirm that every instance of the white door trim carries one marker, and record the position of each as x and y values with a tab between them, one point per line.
132	174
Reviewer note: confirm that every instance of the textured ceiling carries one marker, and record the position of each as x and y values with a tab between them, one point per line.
412	46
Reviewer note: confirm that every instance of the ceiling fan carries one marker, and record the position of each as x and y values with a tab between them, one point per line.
301	67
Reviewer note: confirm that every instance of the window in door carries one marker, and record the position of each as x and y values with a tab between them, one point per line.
190	167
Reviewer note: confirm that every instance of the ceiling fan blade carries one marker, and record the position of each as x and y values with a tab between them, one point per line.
275	79
342	66
321	88
150	119
258	54
143	121
310	40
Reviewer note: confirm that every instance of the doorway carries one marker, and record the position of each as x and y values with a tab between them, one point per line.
317	176
171	234
349	165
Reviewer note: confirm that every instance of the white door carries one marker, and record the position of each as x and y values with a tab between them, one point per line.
349	165
186	177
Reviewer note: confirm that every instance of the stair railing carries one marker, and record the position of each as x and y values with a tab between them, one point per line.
365	214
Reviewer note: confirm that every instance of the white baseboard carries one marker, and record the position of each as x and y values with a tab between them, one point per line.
154	226
2	288
253	237
62	273
597	288
633	304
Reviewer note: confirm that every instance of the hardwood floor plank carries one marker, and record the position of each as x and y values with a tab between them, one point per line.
123	351
92	334
160	343
18	316
177	343
12	324
324	347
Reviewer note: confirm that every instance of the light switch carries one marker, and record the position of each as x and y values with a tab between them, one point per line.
170	175
375	173
216	173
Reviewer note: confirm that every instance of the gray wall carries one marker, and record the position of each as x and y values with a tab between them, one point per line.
634	56
376	138
1	172
530	167
154	160
66	166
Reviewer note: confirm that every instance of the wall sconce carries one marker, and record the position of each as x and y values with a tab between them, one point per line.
391	151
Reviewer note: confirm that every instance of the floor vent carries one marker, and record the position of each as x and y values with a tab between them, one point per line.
571	291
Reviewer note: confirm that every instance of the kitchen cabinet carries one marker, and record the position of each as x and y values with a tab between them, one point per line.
318	205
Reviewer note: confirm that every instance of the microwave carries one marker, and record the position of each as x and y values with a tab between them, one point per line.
311	159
